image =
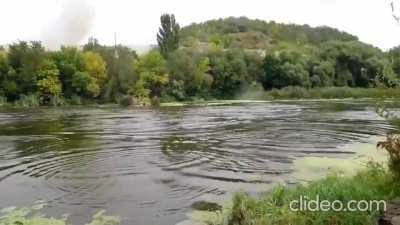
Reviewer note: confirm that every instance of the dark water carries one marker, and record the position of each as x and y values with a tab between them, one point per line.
149	165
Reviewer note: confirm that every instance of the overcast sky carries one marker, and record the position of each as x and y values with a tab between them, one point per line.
136	22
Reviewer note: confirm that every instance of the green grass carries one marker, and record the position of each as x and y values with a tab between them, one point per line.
374	183
322	93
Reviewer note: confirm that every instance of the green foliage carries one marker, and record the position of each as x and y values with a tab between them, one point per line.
283	69
273	207
356	64
168	35
229	72
257	34
394	55
217	59
189	74
25	59
141	92
69	60
153	76
49	85
85	85
120	69
295	92
96	67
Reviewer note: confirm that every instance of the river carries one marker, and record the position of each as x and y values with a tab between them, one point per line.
149	166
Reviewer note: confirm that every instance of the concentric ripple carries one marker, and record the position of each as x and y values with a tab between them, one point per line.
150	165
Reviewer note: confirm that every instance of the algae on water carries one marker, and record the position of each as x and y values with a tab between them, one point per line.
31	216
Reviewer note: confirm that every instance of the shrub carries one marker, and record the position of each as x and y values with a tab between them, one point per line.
126	100
75	100
392	146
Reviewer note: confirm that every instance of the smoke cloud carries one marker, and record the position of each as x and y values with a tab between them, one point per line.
71	27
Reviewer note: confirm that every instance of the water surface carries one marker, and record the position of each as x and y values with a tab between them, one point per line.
150	165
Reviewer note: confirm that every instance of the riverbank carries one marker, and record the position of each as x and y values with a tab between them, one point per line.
321	93
373	183
288	93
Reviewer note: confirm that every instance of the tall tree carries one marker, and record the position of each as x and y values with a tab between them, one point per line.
168	35
96	67
49	85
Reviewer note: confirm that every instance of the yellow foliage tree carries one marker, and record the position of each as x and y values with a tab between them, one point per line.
96	67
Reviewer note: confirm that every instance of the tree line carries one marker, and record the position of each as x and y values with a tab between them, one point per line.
215	59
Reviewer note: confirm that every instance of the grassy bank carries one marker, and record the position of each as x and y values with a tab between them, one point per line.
321	93
373	183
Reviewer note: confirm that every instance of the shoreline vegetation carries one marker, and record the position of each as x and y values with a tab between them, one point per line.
287	93
231	58
378	180
365	176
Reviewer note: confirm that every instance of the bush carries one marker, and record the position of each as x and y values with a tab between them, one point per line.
75	100
392	146
126	101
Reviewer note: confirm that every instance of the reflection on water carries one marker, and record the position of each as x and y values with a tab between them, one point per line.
150	165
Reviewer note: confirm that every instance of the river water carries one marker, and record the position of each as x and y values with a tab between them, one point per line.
149	166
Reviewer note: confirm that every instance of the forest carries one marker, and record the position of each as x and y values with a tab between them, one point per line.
217	59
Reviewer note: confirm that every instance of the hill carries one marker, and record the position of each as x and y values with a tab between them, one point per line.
257	34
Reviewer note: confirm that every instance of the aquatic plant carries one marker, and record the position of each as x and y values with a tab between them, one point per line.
31	216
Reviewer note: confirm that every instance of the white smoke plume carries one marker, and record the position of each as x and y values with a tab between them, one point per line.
72	25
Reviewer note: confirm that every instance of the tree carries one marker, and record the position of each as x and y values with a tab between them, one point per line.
356	64
120	70
25	60
168	35
189	74
285	68
153	75
85	85
229	72
96	67
49	86
69	60
394	56
4	69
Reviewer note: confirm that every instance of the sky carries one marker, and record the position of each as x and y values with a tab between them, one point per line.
136	22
